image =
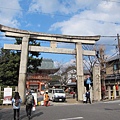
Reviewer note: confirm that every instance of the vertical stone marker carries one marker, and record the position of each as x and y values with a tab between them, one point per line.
96	83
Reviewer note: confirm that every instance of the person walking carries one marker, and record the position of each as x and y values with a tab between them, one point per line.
102	92
46	99
73	95
29	101
16	101
88	96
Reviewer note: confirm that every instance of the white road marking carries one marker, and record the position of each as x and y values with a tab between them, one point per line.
115	101
63	104
75	118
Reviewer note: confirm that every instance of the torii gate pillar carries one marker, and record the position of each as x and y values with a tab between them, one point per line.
79	65
23	67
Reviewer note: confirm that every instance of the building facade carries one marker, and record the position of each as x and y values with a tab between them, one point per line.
112	77
113	71
38	81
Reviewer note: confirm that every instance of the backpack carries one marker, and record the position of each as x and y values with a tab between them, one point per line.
29	100
17	102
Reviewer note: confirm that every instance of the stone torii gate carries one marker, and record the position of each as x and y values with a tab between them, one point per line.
53	38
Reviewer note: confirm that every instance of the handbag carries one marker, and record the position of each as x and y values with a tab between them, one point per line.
33	108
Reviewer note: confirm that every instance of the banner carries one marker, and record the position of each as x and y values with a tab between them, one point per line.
7	96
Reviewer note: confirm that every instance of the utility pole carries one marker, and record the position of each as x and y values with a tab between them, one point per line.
119	52
118	46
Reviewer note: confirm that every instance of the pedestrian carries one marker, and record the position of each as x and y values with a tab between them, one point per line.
102	92
29	101
88	96
73	95
16	101
117	87
46	100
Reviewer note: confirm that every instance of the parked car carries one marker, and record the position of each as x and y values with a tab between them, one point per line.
56	94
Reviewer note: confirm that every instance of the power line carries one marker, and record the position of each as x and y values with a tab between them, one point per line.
111	1
11	8
49	13
112	55
69	15
107	44
2	35
7	40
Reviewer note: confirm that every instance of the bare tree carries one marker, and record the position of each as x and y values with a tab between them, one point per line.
90	61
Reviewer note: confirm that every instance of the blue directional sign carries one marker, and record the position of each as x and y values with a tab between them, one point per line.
88	81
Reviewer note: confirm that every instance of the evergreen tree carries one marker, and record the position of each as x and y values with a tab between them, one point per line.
10	62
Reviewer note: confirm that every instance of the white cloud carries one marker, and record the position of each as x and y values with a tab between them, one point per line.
100	20
9	11
90	17
61	6
43	6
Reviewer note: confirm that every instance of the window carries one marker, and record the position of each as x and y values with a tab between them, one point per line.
115	67
59	91
50	91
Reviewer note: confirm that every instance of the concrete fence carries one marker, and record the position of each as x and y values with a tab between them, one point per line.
112	93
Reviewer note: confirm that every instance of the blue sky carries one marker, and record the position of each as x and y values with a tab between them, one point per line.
69	17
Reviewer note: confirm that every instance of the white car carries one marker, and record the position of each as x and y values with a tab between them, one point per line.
56	94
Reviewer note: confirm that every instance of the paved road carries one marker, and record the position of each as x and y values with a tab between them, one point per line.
65	111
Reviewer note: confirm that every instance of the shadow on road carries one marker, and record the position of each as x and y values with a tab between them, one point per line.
112	109
37	114
23	117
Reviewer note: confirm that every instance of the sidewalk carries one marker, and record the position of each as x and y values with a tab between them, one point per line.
71	100
68	101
